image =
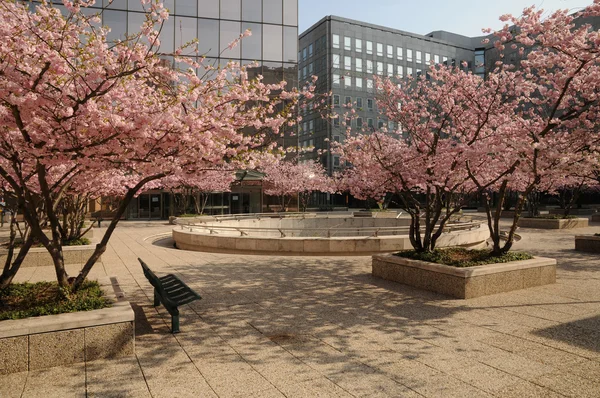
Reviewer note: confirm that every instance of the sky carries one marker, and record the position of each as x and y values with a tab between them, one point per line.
466	17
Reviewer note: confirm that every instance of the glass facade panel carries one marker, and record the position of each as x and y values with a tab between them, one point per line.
290	12
186	8
272	43
208	8
231	9
273	11
208	35
117	20
252	10
252	45
117	5
229	31
290	44
134	23
185	32
167	36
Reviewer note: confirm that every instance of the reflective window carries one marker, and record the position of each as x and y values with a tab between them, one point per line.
336	61
370	100
358	45
370	123
445	60
290	12
409	56
347	82
369	85
390	51
252	10
231	9
380	68
359	103
347	43
427	58
186	8
418	56
479	61
369	66
336	101
310	50
304	54
399	52
272	42
436	59
409	71
117	20
118	5
348	63
400	71
208	37
359	83
135	20
379	50
252	45
273	11
228	33
290	44
208	8
336	41
359	122
335	79
369	47
185	32
134	5
359	67
390	70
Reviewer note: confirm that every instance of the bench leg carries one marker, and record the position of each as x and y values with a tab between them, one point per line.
175	324
156	298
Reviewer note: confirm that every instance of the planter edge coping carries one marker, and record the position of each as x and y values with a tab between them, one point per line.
587	237
120	312
468	272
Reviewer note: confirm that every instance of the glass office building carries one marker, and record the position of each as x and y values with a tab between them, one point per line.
273	45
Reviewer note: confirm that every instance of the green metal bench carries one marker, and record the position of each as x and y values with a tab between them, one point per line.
171	291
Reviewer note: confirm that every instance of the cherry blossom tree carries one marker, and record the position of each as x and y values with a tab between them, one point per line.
199	187
289	178
74	107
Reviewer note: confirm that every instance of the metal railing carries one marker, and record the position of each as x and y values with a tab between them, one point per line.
327	232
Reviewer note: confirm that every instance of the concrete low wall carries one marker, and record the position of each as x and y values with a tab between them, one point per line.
346	246
469	282
574	212
58	340
548	223
587	243
39	256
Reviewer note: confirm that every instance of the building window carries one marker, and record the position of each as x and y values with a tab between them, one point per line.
370	47
359	67
409	56
359	83
359	122
400	71
358	45
409	71
390	70
347	82
390	51
419	57
369	85
336	41
348	101
480	62
336	121
335	80
310	50
310	68
304	53
419	71
348	63
311	126
336	161
359	103
347	43
336	61
380	68
336	101
336	138
380	123
427	58
445	60
370	123
369	66
370	104
379	50
436	59
399	53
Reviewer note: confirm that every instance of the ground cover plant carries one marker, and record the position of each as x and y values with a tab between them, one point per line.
24	300
460	257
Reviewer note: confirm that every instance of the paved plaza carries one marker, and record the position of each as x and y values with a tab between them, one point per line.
324	327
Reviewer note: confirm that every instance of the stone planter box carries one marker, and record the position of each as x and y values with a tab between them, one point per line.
596	218
548	223
574	212
466	283
39	256
57	340
587	243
